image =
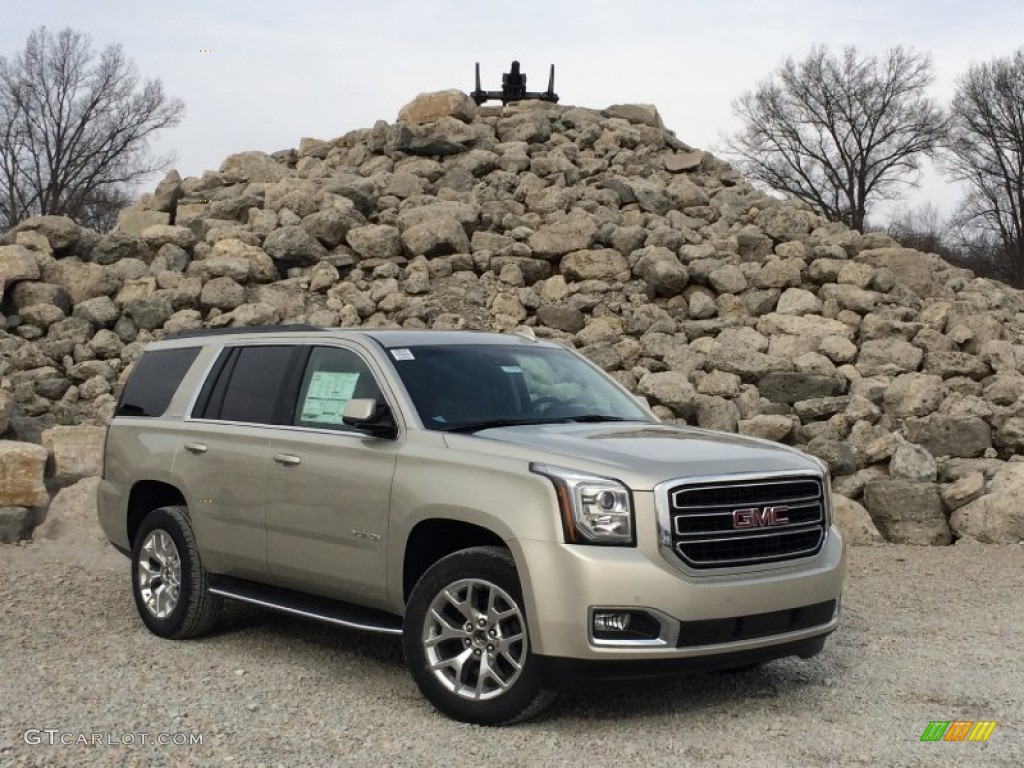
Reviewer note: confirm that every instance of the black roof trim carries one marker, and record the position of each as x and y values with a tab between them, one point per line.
199	332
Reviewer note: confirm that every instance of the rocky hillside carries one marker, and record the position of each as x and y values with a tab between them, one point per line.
727	308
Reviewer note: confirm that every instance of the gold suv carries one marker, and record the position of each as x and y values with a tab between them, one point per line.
521	520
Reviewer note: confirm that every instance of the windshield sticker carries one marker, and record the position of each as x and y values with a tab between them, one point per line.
511	369
402	354
327	395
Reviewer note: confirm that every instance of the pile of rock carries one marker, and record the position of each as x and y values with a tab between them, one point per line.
726	307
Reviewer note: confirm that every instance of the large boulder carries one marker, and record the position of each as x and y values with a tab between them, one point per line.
16	263
252	167
854	522
72	515
431	107
907	512
292	246
573	233
22	467
435	238
998	516
74	452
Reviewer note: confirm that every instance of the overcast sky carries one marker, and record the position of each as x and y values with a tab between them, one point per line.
281	70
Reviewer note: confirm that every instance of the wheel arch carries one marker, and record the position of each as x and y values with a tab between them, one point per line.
437	537
144	497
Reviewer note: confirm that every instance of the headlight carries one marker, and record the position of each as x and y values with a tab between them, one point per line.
595	510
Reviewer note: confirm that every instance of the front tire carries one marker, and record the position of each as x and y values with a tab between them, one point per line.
466	640
168	580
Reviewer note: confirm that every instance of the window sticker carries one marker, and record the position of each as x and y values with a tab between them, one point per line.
402	354
511	369
327	395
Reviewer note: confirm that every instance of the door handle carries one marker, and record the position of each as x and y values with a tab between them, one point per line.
287	459
195	447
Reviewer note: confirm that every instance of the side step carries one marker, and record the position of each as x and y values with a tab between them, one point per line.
307	606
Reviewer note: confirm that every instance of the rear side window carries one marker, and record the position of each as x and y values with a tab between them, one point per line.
253	387
154	381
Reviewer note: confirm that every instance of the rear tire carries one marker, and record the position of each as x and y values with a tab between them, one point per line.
467	643
169	582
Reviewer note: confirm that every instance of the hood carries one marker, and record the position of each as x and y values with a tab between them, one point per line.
641	455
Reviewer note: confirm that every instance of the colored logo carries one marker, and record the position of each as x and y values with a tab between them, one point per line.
958	730
757	517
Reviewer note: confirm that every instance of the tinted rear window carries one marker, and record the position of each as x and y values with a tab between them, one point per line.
253	393
154	381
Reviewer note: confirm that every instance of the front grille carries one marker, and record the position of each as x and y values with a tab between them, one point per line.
746	522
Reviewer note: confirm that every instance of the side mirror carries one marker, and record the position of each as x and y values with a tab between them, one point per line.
366	415
643	401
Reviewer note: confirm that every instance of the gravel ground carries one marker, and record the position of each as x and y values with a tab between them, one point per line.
928	634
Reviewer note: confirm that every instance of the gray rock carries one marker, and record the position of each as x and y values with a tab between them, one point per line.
132	222
661	269
430	107
292	246
671	389
599	264
963	491
222	293
375	241
792	387
101	311
445	136
435	238
767	427
74	452
15	524
252	167
837	454
61	233
854	522
573	233
561	318
149	313
914	394
997	517
1011	434
965	437
728	279
907	512
912	462
888	357
717	413
642	114
820	407
16	263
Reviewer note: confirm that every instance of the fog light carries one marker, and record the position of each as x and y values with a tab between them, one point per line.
607	621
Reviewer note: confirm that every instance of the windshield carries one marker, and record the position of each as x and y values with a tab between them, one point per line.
470	387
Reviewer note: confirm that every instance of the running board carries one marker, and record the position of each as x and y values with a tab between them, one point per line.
307	606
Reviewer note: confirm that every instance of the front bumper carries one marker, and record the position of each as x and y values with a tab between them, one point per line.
562	674
562	583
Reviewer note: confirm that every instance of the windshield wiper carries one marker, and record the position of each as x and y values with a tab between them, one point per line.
595	417
476	426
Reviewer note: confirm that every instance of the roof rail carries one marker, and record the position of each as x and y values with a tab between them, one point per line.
199	332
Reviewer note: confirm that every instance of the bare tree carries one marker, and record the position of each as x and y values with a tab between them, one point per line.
75	128
839	131
923	228
986	151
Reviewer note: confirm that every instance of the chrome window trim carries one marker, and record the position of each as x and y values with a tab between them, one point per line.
400	416
663	518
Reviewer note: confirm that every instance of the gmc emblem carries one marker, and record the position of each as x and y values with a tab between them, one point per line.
759	517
